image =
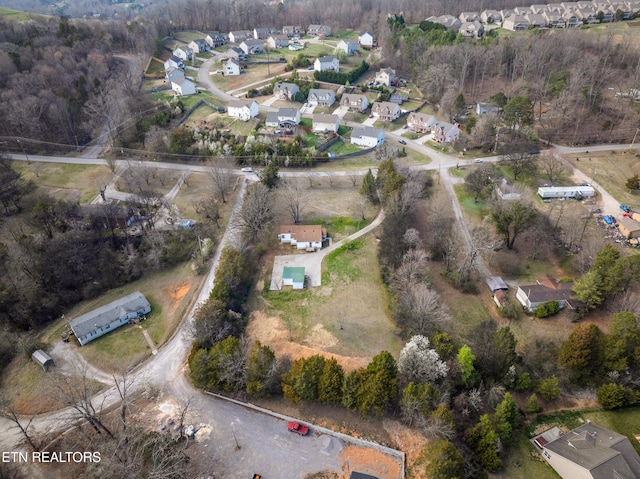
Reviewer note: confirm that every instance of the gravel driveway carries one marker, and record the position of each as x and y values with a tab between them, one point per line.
312	262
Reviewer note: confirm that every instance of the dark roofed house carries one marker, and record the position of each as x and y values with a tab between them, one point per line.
590	452
109	214
43	359
533	295
106	318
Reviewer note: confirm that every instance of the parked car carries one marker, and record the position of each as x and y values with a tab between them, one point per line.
247	169
402	142
625	208
610	220
478	160
298	428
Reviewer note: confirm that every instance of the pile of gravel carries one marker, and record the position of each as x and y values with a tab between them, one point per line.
330	445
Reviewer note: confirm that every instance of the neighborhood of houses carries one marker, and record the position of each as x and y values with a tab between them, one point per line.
551	15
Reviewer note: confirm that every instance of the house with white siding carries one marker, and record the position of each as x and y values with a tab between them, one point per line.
232	67
324	123
348	47
183	86
243	110
329	62
106	318
367	136
321	97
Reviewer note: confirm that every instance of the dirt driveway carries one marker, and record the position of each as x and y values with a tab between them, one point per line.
312	262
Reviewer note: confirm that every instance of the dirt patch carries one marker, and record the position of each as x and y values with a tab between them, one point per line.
176	293
272	332
407	440
369	461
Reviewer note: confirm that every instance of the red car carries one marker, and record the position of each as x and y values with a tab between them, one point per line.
298	428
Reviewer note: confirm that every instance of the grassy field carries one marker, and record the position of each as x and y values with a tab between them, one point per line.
350	305
170	293
64	181
186	37
611	169
472	208
20	15
156	67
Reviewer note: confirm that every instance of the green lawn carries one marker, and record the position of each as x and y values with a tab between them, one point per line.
155	68
472	208
187	37
19	15
341	226
350	306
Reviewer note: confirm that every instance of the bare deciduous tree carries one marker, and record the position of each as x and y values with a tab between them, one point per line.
295	199
257	213
552	166
8	411
354	179
222	180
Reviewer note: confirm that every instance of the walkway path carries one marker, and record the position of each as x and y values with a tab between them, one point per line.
312	262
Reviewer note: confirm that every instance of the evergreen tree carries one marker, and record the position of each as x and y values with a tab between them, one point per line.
467	369
368	187
443	461
485	442
506	418
330	383
582	352
307	383
269	176
549	388
350	389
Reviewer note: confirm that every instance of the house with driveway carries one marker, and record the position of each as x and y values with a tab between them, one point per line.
355	102
239	36
385	110
236	53
303	236
319	30
232	67
420	122
173	74
323	123
444	132
329	62
366	39
111	316
386	76
278	41
174	62
243	110
321	97
216	39
285	91
367	136
184	53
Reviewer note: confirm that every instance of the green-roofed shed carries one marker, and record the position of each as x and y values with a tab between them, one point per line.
293	276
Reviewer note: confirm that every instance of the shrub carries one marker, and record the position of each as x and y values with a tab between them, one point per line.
546	309
532	406
611	396
523	382
549	388
509	310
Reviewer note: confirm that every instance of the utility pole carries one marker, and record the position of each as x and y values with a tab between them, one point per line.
23	151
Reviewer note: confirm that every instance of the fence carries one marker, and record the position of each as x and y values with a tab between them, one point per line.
398	455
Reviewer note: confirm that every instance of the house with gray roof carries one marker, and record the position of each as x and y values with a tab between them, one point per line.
490	16
251	46
283	118
533	295
348	47
106	318
328	62
199	45
367	136
321	97
590	452
285	91
449	21
325	123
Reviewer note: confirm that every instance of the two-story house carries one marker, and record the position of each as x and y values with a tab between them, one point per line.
231	67
324	123
385	110
386	76
285	91
329	62
252	47
283	118
244	110
199	45
420	122
278	41
355	102
348	47
367	136
321	97
366	39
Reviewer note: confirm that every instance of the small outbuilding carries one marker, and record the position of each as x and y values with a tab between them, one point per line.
361	475
496	283
43	359
629	228
293	276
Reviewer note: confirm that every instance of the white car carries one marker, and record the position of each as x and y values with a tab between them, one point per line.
247	169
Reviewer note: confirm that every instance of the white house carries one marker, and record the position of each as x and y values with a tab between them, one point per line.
349	48
106	318
552	192
385	110
386	76
324	123
329	62
366	39
262	33
448	21
216	39
243	110
184	53
303	236
231	67
590	452
285	91
355	102
284	117
490	16
516	23
486	108
473	29
251	46
240	35
183	86
278	41
533	295
321	97
291	30
173	62
199	45
367	136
